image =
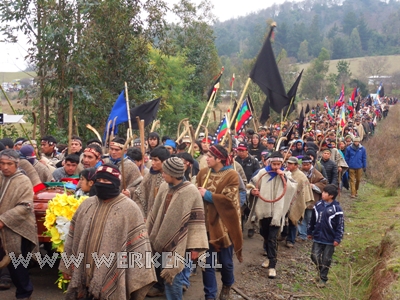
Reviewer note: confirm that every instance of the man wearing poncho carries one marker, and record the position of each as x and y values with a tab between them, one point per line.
176	224
107	224
222	210
271	215
17	220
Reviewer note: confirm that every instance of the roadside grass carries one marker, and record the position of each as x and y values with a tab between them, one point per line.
366	222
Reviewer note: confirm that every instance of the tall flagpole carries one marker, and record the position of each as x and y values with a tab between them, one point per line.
128	110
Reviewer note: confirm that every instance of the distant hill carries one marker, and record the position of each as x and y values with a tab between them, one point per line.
347	28
11	76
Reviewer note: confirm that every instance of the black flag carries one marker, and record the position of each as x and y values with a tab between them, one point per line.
209	93
301	123
358	105
265	112
381	92
146	111
266	74
233	125
292	96
307	109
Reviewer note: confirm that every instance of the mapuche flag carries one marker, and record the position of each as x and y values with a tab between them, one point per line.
243	117
266	74
221	130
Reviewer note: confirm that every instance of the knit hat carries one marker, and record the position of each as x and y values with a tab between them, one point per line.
110	172
28	153
357	139
293	160
174	167
170	143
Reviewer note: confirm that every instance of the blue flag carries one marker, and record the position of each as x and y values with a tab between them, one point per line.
119	110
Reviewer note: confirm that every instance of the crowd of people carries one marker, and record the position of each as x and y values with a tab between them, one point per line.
185	196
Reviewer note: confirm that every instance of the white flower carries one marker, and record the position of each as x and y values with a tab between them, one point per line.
62	226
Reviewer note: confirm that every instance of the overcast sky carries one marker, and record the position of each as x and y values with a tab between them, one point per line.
12	55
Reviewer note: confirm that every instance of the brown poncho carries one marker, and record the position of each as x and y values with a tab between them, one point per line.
304	195
179	225
106	227
316	178
16	212
223	216
30	171
43	171
146	192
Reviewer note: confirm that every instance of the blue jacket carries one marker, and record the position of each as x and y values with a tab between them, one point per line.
327	223
356	158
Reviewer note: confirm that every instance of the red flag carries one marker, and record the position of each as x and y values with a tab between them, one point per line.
340	101
232	80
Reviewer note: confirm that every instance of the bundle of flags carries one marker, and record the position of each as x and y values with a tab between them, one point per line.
330	113
350	107
340	101
146	111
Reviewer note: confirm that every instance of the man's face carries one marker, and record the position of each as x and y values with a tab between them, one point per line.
75	146
348	142
46	148
167	178
306	166
299	146
8	167
270	146
70	168
326	155
153	142
211	160
156	164
89	160
356	143
262	132
115	152
276	165
17	147
242	153
170	149
291	167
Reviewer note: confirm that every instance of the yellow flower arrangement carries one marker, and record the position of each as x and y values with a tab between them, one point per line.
59	213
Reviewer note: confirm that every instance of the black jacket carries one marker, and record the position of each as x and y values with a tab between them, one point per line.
331	171
249	165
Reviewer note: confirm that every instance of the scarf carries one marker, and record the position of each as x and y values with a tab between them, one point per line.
272	173
116	161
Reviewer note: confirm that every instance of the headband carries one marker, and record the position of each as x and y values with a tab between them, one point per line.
76	140
218	154
272	159
9	158
93	151
117	145
307	161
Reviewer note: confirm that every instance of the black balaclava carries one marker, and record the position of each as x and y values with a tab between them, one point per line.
105	191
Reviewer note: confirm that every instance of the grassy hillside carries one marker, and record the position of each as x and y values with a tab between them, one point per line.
10	76
393	65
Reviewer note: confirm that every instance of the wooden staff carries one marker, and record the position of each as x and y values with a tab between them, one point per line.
112	136
128	140
153	126
193	138
107	135
76	125
127	107
141	132
216	87
70	119
90	127
178	135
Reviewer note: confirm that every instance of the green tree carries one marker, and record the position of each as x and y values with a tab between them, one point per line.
349	22
355	48
343	72
364	32
302	54
314	37
313	83
340	47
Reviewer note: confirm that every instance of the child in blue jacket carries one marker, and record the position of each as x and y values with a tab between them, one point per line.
326	228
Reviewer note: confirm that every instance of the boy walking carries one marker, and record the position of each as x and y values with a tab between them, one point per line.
326	229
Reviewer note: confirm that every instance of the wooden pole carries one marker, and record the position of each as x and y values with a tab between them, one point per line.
216	87
128	140
70	119
34	125
141	132
127	108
